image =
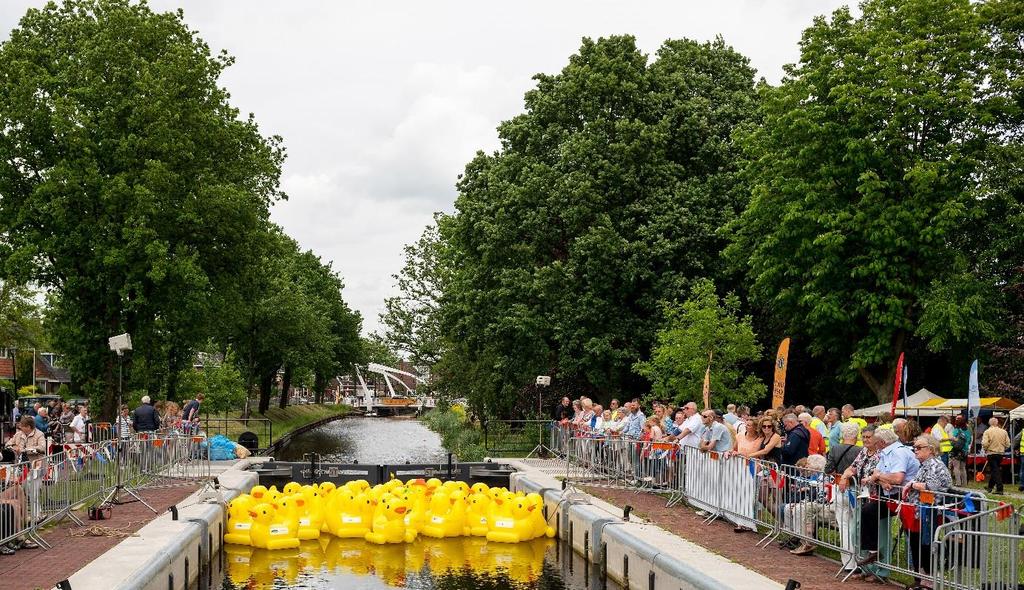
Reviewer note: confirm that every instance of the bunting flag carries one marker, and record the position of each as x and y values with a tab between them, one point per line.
781	361
904	394
750	467
896	385
707	383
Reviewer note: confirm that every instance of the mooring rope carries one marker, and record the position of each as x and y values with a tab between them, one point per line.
103	531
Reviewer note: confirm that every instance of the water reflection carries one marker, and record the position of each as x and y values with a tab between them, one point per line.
368	440
427	564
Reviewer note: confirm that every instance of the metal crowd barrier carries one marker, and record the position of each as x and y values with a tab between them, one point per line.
956	539
37	493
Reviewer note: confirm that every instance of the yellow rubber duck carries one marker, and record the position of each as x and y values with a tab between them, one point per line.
476	513
540	525
416	517
511	526
268	533
239	521
289	509
479	488
391	528
291	488
311	517
351	515
438	509
326	487
258	493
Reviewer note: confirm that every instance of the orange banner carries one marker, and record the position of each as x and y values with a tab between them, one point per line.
707	383
781	360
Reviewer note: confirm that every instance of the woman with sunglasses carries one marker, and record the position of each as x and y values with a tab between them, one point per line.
933	476
770	448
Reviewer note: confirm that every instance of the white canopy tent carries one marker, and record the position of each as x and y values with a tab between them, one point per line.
1017	413
922	395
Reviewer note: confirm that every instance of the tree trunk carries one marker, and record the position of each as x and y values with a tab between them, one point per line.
319	385
265	383
286	385
883	387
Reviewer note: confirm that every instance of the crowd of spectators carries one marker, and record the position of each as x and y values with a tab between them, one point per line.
846	473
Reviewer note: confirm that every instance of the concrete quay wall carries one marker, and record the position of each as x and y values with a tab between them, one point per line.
635	553
169	554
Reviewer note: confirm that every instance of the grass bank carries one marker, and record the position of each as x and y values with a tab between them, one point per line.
459	435
283	421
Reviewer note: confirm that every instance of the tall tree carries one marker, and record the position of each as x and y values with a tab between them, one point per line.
131	187
605	199
862	178
701	332
412	319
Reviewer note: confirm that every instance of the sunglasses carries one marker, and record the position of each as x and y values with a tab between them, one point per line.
918	448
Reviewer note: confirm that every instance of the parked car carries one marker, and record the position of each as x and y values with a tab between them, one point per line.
30	400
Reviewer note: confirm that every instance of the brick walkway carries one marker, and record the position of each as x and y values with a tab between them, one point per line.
811	571
29	569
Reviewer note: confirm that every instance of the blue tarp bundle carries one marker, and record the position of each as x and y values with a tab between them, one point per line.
221	448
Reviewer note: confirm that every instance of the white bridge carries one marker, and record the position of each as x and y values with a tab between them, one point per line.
393	401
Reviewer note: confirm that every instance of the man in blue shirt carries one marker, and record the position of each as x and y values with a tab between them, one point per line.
715	436
634	421
797	440
896	465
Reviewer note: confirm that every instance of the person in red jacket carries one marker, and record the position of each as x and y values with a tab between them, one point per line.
816	446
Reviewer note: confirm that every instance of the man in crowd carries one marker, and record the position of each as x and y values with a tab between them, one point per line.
634	421
994	443
741	420
690	428
941	433
896	465
564	406
42	421
714	436
730	414
615	410
190	415
816	446
144	418
847	413
797	441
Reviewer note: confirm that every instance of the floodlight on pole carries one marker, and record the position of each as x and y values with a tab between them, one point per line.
121	344
542	382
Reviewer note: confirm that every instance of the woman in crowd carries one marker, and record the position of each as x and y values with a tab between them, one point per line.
171	419
958	456
771	443
840	458
813	508
577	413
861	467
750	441
596	423
933	476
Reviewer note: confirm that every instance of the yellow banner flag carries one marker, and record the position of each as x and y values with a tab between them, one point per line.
781	360
707	384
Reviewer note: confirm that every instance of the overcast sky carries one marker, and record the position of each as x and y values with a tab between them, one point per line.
382	104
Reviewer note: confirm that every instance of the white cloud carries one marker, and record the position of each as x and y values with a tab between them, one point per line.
382	104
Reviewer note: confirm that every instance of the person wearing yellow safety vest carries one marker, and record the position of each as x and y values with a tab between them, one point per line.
818	423
860	422
940	434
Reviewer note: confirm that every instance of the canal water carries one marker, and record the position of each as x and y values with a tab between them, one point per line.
467	563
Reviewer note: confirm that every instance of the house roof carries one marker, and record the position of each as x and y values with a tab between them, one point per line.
7	369
48	372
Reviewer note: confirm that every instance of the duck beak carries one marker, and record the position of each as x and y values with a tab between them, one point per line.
531	507
252	514
400	510
499	501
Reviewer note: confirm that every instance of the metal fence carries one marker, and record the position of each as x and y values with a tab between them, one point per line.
955	539
235	428
42	491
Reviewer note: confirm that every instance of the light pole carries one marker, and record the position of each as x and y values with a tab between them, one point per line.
121	344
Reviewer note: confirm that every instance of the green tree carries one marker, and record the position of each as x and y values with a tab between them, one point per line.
21	319
219	380
702	329
412	319
605	199
132	190
863	178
